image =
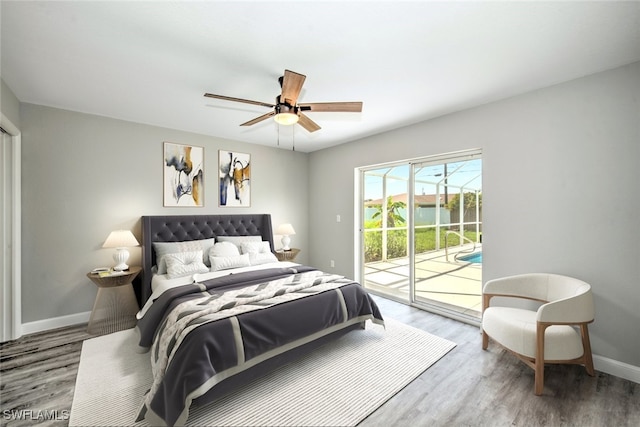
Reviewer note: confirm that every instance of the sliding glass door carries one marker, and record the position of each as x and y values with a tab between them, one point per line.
384	230
447	227
421	229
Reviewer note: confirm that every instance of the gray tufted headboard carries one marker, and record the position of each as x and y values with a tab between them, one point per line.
180	228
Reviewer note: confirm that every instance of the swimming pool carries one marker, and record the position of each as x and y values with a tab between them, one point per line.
475	258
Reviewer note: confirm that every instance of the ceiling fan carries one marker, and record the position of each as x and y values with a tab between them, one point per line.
287	111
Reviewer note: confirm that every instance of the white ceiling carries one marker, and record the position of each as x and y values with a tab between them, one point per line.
151	62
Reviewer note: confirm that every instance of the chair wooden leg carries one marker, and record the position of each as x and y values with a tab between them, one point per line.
486	302
539	363
586	345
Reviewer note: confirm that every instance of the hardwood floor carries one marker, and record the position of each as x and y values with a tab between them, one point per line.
468	387
473	387
38	376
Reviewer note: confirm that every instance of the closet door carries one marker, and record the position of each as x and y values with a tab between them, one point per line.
10	204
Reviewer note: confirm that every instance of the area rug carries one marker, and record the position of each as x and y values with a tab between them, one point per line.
339	384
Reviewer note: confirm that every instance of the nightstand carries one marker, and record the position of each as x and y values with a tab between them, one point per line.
289	255
116	306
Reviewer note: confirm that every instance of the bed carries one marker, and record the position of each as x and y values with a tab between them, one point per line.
214	327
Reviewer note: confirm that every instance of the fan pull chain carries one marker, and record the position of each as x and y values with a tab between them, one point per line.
293	137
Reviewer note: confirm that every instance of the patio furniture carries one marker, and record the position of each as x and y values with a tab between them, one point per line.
555	332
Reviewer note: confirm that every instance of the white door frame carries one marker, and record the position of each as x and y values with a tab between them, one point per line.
11	288
359	190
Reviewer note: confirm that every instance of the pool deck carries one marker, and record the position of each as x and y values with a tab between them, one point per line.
454	285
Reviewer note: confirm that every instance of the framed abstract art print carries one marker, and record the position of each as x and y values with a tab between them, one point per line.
234	179
183	175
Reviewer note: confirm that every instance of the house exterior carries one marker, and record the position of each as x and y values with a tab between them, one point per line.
425	210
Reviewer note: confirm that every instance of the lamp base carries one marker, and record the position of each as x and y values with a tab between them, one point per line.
120	257
285	243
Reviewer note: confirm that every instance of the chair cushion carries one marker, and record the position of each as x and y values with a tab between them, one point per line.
515	329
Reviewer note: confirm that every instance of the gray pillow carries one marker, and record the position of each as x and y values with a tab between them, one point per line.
259	247
223	249
227	262
184	264
237	240
261	258
164	248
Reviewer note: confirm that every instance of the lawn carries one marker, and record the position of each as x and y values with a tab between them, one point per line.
397	242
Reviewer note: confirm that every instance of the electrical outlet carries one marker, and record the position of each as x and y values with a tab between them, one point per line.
337	218
333	264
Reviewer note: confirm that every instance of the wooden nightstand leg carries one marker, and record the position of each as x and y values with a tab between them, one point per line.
126	309
98	314
115	309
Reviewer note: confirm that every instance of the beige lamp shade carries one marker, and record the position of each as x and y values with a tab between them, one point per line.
121	240
285	229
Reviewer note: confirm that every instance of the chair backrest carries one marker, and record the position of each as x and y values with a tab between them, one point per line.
561	287
567	299
570	299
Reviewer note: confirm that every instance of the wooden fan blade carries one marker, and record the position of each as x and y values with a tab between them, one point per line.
291	86
246	101
258	119
307	123
342	107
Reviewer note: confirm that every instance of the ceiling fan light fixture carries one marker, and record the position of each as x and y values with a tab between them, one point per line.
286	111
286	119
286	114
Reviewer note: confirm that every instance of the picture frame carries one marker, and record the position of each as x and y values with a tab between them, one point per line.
234	173
183	175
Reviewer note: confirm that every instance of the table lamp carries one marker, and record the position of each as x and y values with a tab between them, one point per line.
120	239
285	230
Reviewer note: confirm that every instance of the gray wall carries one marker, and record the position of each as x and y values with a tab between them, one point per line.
572	148
84	176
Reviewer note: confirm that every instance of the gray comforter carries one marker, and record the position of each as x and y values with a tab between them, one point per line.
203	333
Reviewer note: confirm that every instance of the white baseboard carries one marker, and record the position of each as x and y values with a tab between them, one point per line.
616	368
54	323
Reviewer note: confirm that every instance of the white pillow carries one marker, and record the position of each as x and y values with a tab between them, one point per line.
226	262
164	248
255	247
224	249
237	240
184	263
262	258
